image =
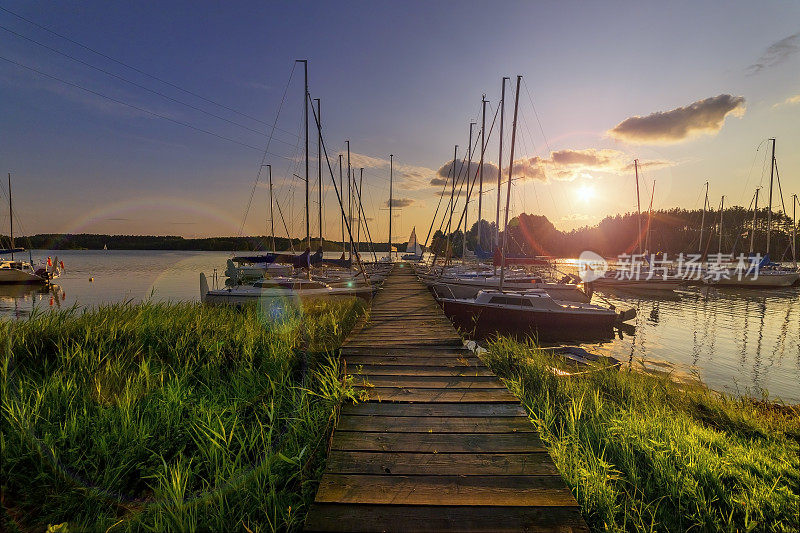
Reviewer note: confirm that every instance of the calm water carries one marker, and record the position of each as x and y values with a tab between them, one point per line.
733	339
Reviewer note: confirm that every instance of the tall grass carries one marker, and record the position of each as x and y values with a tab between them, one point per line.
169	417
642	453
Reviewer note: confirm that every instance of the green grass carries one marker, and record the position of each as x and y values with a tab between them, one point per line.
169	417
642	453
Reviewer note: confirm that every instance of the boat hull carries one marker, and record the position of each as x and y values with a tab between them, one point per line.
467	289
764	280
12	276
482	322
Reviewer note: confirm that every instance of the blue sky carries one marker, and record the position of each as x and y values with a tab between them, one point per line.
401	78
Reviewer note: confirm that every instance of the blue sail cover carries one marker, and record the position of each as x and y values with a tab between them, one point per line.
480	253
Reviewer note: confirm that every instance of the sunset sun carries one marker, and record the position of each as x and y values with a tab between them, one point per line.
585	193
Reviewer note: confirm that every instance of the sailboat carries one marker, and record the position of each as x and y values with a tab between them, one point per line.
535	311
413	250
761	272
23	272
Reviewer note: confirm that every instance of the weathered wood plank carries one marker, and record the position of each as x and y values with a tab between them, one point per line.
445	490
373	518
437	442
440	382
436	424
420	370
418	394
466	361
434	409
445	464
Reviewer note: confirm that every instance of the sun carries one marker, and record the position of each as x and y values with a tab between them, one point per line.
585	193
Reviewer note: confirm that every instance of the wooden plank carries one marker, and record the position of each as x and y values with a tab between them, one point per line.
440	382
420	370
435	409
467	361
436	424
417	394
437	442
445	490
457	464
384	351
390	518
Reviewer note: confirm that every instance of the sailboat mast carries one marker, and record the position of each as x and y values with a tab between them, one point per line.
649	219
703	222
794	231
391	178
358	210
638	207
271	213
305	120
452	207
500	162
319	166
508	190
349	197
480	169
769	210
721	210
466	203
11	216
342	190
753	232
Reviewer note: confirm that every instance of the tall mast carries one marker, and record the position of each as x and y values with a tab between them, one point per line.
769	211
508	190
358	210
349	198
649	220
721	210
480	169
11	216
500	163
391	177
638	207
319	167
703	222
341	189
794	231
305	120
753	232
271	215
466	203
451	206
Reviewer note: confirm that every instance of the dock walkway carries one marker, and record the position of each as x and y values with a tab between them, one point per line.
441	445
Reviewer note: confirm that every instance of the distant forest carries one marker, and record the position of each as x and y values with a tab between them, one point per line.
672	231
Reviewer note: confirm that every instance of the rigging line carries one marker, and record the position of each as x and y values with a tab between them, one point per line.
749	172
259	132
266	150
143	110
101	54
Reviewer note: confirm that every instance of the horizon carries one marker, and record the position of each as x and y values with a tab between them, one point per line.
690	91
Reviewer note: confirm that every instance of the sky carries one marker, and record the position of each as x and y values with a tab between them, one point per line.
141	118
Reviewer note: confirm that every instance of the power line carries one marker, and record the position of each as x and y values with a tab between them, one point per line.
132	106
259	132
126	65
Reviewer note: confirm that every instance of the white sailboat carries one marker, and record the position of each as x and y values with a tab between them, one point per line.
413	250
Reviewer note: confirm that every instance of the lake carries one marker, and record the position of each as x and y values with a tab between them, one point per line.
736	340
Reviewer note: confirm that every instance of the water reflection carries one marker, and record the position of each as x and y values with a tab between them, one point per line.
21	300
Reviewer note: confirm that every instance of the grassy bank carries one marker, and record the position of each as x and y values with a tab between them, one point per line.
168	416
642	453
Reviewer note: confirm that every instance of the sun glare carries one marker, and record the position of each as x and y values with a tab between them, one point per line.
585	193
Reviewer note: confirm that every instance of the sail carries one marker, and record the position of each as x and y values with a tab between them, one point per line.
413	248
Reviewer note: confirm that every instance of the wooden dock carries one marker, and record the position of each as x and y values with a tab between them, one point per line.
441	445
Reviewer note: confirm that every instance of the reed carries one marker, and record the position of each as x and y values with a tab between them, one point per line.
169	417
643	453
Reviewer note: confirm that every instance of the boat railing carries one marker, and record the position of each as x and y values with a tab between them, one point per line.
439	296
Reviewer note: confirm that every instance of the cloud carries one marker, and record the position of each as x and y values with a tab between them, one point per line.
676	125
401	202
445	172
789	101
562	165
407	177
776	53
